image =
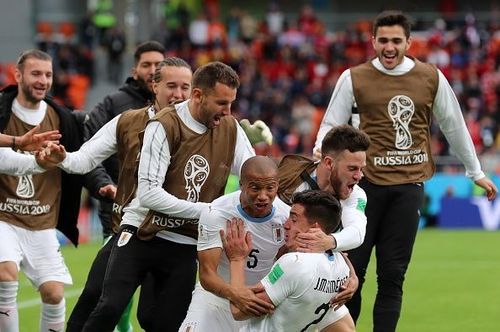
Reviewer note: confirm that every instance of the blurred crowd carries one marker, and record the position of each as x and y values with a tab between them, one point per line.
289	66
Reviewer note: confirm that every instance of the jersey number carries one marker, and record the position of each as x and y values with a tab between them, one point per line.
324	307
252	259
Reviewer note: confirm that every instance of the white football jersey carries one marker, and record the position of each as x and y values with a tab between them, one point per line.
300	285
267	234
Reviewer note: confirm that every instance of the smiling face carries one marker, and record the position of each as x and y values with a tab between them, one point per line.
346	170
258	193
296	223
34	80
174	86
390	44
213	104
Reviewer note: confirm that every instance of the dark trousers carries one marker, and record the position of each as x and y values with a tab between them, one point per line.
392	221
173	268
92	290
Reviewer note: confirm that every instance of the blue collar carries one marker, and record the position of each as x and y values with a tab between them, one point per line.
254	219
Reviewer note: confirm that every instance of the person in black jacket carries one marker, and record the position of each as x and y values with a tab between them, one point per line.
32	206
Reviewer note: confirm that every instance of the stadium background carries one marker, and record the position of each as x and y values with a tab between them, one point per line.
289	55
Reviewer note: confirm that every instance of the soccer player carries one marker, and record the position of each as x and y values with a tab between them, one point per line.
338	172
136	93
263	215
31	206
188	152
299	285
172	83
396	97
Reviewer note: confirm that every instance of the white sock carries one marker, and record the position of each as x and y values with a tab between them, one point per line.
9	320
53	316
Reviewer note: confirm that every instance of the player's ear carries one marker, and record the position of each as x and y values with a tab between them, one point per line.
197	95
328	162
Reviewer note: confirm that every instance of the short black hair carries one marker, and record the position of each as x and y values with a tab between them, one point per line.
344	137
148	46
392	17
321	207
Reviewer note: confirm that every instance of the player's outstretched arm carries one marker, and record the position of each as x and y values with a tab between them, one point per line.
50	156
488	186
30	141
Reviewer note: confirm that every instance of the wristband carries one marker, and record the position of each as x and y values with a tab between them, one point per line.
13	142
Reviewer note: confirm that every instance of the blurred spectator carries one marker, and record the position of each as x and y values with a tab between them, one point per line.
103	18
286	62
274	19
302	120
115	45
198	31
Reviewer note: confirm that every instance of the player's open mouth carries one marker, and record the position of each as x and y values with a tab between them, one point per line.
261	206
217	119
389	57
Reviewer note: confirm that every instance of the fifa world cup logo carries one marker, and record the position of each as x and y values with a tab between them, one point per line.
25	186
195	174
401	109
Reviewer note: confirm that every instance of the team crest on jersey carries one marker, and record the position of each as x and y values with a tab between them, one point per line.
124	238
278	233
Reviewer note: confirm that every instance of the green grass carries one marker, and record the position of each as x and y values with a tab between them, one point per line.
453	284
78	261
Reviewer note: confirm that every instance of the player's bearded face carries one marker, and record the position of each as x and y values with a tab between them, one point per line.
258	195
215	104
346	172
145	68
35	80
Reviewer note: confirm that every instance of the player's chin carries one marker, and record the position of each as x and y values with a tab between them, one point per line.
344	193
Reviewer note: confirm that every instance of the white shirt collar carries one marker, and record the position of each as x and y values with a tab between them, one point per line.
400	69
